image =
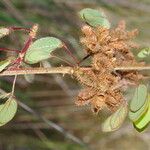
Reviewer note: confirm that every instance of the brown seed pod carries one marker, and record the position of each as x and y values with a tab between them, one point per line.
85	96
109	48
98	103
114	99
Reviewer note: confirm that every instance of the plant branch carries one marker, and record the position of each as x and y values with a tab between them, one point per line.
52	70
61	70
14	83
138	68
70	53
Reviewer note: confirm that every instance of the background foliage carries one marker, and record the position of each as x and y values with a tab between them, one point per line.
53	96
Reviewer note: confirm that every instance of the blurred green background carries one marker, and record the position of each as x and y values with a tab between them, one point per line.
53	96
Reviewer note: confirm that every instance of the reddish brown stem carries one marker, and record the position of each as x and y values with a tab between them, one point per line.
18	61
7	49
26	46
69	52
63	60
19	28
84	58
32	35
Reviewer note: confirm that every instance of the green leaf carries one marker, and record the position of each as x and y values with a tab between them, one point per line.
7	111
106	127
41	49
3	32
94	18
4	64
144	120
135	116
144	53
139	99
114	121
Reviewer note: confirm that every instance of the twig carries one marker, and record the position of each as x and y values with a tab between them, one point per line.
61	70
146	77
51	124
84	58
70	53
52	70
140	68
14	83
44	138
19	29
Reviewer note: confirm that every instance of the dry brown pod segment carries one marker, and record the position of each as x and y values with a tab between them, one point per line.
109	48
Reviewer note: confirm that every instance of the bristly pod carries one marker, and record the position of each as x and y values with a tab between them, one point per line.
89	79
41	49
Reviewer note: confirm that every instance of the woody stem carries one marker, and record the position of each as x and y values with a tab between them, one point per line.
61	70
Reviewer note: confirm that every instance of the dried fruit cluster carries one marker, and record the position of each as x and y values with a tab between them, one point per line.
109	48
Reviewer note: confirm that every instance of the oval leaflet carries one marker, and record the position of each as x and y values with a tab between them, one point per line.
114	121
7	111
94	18
139	98
41	49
